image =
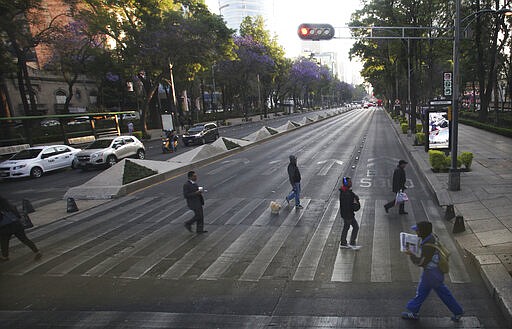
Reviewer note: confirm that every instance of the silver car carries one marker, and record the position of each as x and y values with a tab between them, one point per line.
108	151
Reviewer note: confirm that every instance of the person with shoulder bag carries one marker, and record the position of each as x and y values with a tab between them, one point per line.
349	203
10	224
432	277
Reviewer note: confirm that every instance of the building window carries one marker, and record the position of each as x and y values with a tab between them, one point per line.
60	97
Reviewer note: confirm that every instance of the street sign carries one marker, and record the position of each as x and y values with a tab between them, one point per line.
441	102
397	101
447	84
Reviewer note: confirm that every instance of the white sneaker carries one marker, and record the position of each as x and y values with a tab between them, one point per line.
354	247
345	246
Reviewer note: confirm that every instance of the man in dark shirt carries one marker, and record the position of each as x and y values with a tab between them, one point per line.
398	185
294	177
349	202
195	201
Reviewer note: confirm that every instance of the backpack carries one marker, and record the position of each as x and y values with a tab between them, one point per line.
444	255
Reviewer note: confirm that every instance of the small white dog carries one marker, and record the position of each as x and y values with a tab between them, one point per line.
274	207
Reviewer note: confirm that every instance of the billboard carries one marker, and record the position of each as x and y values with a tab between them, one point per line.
438	130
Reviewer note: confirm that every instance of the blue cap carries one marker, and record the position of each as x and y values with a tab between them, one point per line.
414	227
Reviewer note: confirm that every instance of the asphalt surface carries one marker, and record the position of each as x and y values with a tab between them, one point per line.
132	264
53	185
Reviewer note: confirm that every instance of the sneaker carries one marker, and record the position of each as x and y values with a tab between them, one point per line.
403	213
410	316
456	317
344	246
299	206
386	209
355	247
38	256
287	201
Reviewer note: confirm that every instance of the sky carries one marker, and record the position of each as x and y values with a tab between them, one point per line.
289	14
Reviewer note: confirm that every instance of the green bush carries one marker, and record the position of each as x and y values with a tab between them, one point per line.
437	159
137	134
420	138
404	127
449	162
419	127
466	158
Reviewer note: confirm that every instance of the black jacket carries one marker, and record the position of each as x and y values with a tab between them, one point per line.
194	200
293	173
347	200
398	179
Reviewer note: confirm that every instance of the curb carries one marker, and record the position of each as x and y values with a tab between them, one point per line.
494	274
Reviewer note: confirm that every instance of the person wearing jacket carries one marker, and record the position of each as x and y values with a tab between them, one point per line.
431	277
10	225
398	184
294	177
195	201
348	203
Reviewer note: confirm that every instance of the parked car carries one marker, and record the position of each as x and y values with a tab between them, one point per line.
201	133
37	160
108	151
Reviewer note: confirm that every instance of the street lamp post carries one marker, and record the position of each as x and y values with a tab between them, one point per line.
454	174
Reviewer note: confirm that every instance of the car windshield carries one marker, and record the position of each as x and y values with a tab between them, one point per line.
26	154
196	129
100	144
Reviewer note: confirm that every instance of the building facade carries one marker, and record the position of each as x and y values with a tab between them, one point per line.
234	11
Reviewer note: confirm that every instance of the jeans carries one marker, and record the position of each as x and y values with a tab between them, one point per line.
17	229
344	231
433	279
198	219
295	193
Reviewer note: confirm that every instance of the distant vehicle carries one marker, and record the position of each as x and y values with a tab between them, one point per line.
37	160
201	133
108	151
79	120
129	116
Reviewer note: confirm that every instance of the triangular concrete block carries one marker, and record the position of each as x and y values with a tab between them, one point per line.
239	142
287	126
220	144
258	135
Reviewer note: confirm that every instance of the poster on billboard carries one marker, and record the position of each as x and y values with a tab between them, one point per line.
438	130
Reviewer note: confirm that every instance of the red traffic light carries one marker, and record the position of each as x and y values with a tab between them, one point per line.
316	32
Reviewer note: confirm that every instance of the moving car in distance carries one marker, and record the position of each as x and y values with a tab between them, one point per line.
107	151
201	133
37	160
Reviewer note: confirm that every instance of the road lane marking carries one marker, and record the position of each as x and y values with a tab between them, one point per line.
242	214
261	262
309	263
381	256
345	258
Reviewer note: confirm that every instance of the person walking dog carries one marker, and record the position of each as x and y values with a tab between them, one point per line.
349	203
195	201
399	180
10	225
294	177
432	277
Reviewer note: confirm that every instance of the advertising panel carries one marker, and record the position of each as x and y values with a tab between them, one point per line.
438	130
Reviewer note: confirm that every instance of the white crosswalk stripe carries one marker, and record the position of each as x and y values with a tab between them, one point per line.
145	237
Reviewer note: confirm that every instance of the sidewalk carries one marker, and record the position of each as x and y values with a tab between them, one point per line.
485	201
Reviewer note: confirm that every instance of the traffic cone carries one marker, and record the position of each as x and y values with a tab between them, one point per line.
27	207
450	212
459	226
71	205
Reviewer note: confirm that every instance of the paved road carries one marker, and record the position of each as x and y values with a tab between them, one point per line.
131	263
53	186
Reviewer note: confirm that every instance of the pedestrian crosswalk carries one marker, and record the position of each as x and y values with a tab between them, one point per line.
144	237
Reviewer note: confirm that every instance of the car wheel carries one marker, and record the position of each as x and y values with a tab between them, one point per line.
203	141
111	160
36	172
74	164
141	154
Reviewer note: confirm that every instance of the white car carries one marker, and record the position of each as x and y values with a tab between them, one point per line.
34	161
107	151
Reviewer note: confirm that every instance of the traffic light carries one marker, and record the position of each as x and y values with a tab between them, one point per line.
316	31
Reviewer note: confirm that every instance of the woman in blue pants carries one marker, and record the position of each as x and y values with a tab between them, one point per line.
431	278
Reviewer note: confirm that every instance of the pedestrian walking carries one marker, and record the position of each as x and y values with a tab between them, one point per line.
130	128
195	201
294	177
431	277
349	203
10	225
398	185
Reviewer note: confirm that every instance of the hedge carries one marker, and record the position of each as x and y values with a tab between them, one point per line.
498	130
404	127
